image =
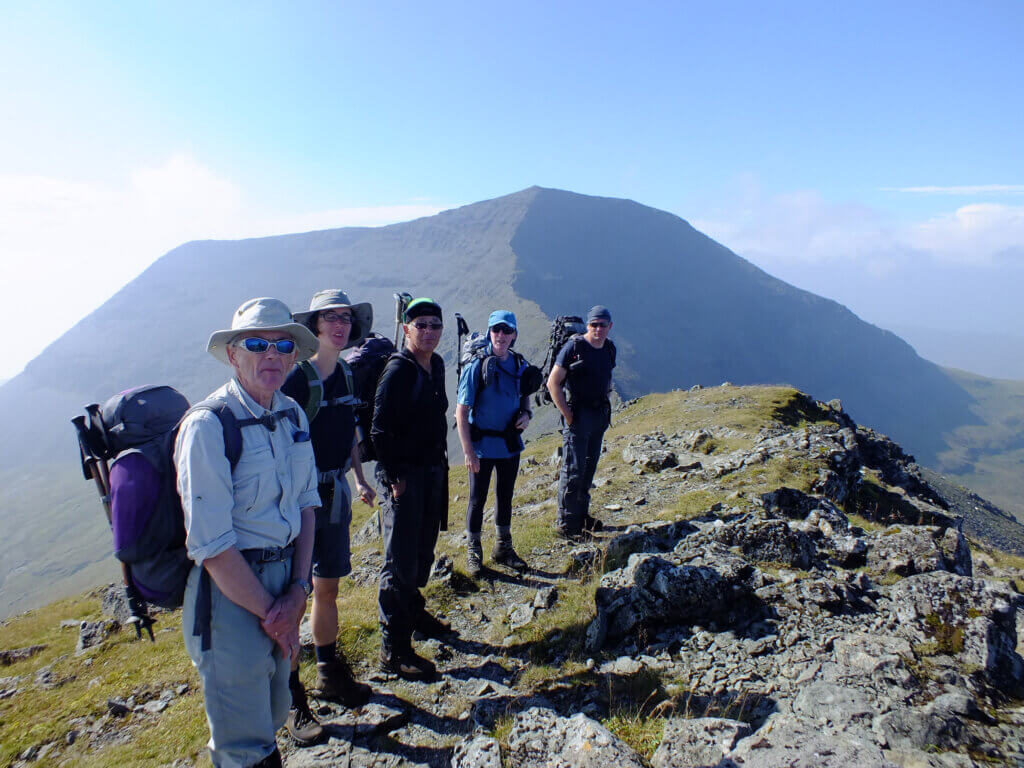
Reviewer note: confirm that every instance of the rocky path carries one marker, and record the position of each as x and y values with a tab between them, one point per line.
766	630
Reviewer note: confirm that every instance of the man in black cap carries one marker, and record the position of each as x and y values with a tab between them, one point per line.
409	433
585	365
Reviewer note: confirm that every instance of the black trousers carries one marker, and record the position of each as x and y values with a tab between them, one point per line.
505	471
581	449
410	525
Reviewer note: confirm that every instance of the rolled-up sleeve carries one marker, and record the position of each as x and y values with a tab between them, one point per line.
205	486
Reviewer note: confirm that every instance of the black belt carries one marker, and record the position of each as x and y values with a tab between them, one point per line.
204	600
268	554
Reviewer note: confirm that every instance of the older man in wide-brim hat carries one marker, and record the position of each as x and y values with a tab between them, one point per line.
249	530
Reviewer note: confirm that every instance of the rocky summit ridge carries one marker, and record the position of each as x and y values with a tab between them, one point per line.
775	586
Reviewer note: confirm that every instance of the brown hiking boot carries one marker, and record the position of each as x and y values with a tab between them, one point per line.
408	665
335	682
474	559
302	725
505	554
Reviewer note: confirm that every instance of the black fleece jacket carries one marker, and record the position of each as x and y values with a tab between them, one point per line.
410	426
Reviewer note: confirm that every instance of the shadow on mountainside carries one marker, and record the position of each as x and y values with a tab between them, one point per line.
670	287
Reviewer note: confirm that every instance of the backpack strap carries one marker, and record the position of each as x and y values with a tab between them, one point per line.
316	400
350	397
316	390
232	426
417	386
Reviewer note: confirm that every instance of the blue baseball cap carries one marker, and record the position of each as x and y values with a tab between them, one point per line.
500	316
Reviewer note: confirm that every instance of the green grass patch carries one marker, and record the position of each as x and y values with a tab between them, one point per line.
638	729
117	668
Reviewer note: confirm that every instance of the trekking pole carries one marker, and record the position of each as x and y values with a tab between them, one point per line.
402	300
94	467
463	330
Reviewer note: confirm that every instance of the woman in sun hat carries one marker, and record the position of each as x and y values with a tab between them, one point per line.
338	324
249	531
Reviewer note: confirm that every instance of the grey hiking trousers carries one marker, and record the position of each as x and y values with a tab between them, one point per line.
244	674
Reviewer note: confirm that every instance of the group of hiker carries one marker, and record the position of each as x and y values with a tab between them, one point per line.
261	469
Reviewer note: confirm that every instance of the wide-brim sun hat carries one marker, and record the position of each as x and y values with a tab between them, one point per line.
263	314
333	298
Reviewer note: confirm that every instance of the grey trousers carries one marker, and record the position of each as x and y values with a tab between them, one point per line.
244	674
581	450
410	525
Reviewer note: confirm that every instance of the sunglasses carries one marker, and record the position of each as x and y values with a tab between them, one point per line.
258	346
598	325
422	325
502	328
334	317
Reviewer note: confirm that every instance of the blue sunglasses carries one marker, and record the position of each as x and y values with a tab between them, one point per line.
259	346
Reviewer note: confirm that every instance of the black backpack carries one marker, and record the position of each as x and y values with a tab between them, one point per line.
563	328
367	362
149	541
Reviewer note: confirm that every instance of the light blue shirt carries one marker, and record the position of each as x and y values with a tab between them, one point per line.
259	504
491	407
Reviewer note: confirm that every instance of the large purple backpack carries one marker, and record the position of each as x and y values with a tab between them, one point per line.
135	431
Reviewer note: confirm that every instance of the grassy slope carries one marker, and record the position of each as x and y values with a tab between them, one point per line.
988	457
122	666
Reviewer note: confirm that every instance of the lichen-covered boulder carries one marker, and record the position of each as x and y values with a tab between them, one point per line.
540	738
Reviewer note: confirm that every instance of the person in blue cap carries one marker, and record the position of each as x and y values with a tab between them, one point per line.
584	366
491	413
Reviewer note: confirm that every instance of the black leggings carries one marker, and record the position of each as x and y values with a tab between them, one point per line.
505	485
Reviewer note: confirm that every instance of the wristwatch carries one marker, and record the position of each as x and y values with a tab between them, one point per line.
306	586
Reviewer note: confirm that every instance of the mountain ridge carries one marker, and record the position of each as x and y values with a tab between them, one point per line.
687	310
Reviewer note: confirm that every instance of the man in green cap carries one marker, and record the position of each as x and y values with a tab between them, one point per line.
409	432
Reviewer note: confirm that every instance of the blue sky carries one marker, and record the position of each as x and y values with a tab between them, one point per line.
867	151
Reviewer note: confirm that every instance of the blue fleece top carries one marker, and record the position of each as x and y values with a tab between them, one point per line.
493	406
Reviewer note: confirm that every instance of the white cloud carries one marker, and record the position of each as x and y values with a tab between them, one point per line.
977	189
982	233
802	227
68	245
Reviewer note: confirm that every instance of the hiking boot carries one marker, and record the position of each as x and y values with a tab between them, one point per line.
408	665
302	726
474	558
592	524
335	682
505	554
428	625
577	537
273	760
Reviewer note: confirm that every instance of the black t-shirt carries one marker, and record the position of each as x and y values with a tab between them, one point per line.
334	427
589	371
